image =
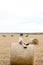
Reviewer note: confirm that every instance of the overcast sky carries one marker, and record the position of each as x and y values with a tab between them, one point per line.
21	15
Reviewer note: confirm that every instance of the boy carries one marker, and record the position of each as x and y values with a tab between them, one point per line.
21	41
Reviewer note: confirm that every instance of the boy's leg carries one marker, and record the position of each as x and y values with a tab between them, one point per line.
24	46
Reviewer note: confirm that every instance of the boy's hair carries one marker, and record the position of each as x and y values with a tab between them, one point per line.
21	34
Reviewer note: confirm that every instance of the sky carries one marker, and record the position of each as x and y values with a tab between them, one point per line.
21	16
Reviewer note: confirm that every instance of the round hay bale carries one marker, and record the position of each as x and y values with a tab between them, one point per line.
33	41
27	35
21	56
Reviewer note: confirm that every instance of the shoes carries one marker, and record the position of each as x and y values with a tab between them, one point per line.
25	47
27	44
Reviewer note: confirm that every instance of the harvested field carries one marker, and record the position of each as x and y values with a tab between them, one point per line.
6	41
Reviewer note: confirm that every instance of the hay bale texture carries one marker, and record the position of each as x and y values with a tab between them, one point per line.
21	56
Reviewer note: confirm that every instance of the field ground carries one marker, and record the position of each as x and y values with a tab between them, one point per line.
5	47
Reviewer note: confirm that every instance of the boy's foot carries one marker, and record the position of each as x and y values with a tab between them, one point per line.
25	47
27	44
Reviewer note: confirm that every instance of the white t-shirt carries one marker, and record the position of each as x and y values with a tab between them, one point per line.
20	39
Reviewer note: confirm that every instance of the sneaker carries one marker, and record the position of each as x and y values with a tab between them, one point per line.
27	44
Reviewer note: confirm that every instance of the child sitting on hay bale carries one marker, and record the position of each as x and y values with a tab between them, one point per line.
21	41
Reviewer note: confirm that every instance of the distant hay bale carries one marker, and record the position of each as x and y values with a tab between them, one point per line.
27	35
33	41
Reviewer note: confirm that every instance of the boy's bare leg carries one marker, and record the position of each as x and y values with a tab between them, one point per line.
24	45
